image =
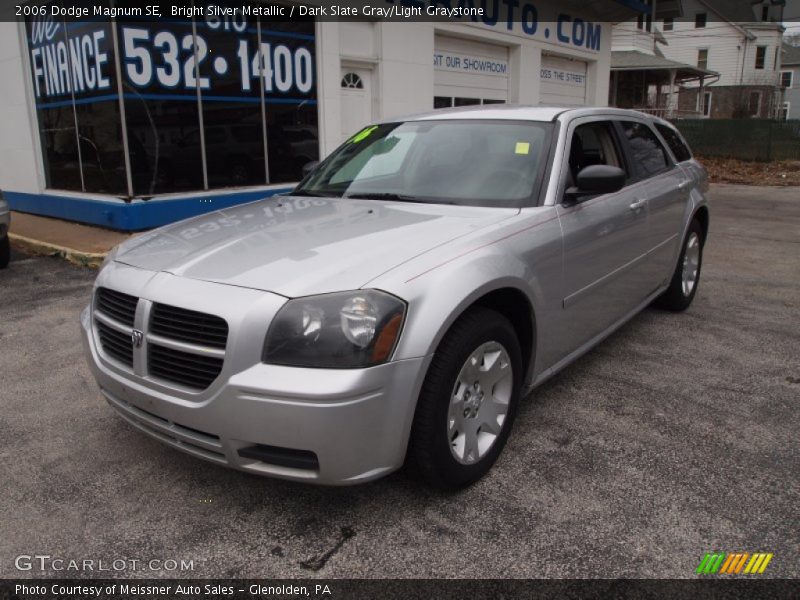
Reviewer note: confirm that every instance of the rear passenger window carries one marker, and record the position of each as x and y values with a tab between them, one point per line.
649	155
675	143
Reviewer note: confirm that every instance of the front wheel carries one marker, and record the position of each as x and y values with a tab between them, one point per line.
686	278
468	401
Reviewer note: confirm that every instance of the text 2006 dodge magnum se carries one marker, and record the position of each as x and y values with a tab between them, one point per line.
400	302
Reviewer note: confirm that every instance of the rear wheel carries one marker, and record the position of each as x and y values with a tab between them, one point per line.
5	252
685	280
468	401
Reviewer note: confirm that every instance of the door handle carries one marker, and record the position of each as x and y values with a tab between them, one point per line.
683	185
639	204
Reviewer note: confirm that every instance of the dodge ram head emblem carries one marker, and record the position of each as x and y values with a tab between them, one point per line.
137	337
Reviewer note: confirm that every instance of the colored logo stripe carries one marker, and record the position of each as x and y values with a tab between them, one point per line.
758	563
732	564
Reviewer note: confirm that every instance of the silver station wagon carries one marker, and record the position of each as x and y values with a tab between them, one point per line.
398	304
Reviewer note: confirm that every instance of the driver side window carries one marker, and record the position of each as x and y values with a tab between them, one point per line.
592	144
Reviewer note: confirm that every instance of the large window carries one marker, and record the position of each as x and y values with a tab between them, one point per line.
74	83
197	104
471	162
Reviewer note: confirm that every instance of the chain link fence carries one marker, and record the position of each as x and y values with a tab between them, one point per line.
746	139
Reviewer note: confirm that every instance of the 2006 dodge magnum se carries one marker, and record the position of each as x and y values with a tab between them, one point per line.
398	304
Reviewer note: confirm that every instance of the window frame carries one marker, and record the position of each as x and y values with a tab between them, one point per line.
700	23
761	58
668	24
640	174
790	73
703	64
564	172
701	104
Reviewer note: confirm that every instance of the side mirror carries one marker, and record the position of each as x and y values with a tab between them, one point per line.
308	167
595	180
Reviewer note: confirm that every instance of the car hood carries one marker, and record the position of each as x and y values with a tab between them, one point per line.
296	246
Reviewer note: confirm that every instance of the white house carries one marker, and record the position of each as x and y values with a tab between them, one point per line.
737	43
130	123
790	82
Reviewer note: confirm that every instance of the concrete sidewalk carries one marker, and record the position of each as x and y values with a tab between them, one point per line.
80	244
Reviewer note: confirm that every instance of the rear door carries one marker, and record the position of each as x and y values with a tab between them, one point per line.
605	240
666	187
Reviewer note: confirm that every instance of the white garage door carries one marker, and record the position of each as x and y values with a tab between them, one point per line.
469	72
563	81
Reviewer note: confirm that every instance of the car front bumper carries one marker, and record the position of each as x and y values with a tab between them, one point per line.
356	422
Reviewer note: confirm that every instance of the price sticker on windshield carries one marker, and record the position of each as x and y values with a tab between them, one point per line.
522	148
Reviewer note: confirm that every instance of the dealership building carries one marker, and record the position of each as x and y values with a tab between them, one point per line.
135	121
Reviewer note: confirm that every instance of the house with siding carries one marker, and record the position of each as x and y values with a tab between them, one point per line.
790	82
735	45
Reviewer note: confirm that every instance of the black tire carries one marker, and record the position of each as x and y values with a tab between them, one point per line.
429	454
676	298
5	251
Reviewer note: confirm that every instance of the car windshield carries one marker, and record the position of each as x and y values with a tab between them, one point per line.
476	163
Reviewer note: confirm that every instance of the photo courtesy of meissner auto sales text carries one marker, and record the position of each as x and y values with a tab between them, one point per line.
399	299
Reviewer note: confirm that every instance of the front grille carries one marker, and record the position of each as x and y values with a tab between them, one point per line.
189	326
183	346
120	307
115	343
185	368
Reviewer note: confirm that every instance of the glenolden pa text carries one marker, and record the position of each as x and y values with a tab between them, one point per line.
385	12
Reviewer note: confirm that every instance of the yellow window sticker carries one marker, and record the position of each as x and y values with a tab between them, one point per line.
523	148
363	134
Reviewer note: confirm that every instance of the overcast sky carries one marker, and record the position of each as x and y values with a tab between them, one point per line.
791	14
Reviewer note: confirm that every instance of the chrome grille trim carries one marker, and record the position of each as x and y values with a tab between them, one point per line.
180	347
115	343
184	347
189	326
185	368
120	307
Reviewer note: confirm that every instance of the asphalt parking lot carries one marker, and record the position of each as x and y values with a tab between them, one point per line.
676	437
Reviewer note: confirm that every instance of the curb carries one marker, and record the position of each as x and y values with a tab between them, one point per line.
92	260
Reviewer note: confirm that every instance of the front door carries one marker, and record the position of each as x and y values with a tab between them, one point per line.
356	96
605	242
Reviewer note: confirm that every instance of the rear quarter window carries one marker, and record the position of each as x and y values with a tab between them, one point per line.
679	148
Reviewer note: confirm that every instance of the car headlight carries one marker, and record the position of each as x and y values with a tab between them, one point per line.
341	330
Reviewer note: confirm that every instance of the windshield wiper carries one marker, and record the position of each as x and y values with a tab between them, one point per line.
395	198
